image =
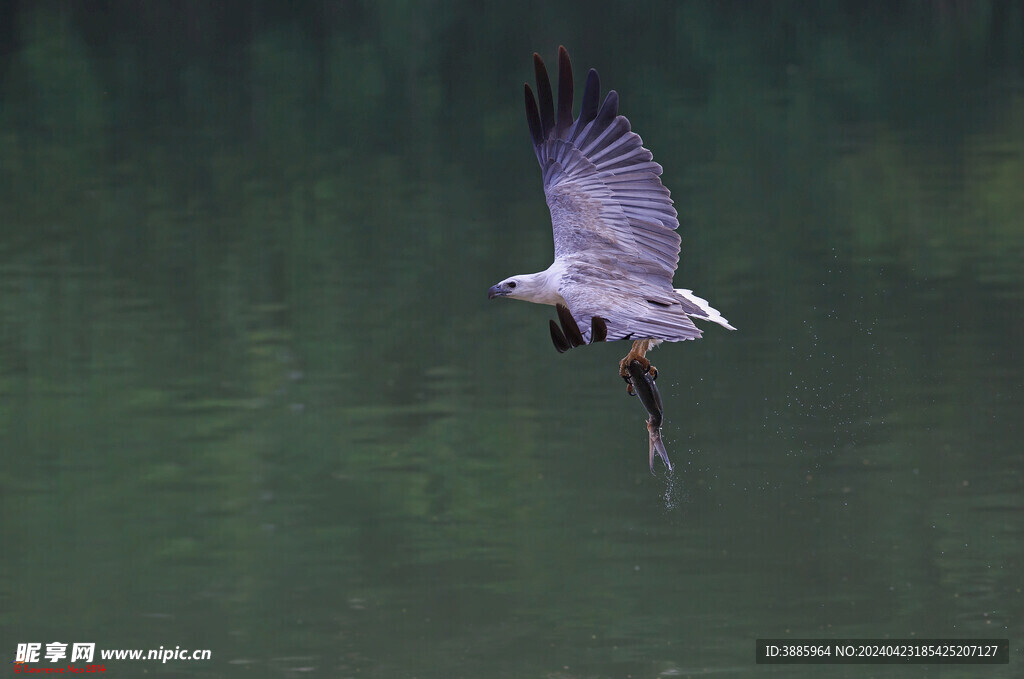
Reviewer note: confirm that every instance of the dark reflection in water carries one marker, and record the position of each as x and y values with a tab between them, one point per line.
253	398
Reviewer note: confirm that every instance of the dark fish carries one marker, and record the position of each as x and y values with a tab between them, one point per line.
642	381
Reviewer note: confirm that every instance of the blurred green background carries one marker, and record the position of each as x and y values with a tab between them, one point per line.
253	397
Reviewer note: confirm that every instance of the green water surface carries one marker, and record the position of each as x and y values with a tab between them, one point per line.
253	397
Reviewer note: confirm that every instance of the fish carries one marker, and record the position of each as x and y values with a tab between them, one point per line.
641	381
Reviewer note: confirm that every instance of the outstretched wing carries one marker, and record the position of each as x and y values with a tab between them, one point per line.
601	184
630	308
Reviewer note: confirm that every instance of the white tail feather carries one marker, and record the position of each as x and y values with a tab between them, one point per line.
712	313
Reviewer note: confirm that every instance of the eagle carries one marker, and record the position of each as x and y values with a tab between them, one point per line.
616	246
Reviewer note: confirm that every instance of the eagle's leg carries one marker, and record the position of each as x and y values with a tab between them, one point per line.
638	353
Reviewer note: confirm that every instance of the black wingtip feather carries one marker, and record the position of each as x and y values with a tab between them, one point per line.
532	118
565	92
569	326
588	109
558	339
598	329
547	105
609	109
591	95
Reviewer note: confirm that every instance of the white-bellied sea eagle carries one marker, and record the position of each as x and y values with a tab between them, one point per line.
616	246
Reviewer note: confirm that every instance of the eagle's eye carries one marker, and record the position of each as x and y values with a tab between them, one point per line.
511	285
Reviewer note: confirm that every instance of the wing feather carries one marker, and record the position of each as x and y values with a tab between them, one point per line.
627	312
533	120
603	130
547	106
613	220
564	93
588	108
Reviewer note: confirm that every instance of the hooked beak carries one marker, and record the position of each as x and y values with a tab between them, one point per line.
496	291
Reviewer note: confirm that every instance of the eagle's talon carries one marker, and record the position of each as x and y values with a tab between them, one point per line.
624	369
629	389
633	355
653	372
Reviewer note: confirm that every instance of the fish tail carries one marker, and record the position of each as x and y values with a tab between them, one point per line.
657	446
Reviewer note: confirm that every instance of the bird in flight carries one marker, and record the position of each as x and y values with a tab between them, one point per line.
616	246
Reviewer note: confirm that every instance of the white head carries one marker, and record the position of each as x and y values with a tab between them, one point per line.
541	288
516	287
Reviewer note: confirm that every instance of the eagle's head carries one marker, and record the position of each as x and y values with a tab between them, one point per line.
514	287
540	288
